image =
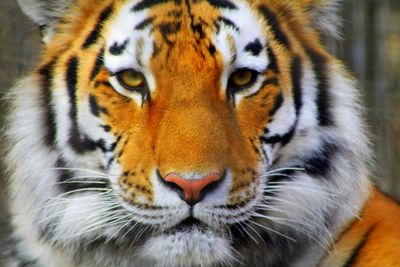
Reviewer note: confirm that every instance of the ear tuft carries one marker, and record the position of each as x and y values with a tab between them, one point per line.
324	14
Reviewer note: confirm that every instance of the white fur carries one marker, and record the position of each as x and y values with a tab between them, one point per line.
203	247
325	17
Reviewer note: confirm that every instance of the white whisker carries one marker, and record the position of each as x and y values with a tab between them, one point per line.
272	230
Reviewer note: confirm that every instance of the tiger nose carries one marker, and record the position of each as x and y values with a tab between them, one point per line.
192	191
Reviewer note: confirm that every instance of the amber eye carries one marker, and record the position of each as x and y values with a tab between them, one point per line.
132	80
241	79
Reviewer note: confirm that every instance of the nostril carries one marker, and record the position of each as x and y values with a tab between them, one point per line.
192	190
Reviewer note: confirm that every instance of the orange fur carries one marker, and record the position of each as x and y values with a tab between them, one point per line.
373	240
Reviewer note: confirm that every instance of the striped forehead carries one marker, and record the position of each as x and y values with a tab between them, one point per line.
240	38
236	33
129	45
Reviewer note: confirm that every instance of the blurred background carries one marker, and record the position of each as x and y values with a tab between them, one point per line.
370	46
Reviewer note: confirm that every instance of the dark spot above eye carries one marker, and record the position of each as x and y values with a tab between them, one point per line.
117	49
254	47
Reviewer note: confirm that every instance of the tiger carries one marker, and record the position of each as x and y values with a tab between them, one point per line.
192	133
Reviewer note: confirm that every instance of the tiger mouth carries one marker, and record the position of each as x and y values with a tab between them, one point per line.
187	225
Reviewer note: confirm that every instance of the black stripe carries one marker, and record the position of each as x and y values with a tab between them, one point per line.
222	4
79	143
271	19
323	97
95	108
272	81
227	22
296	74
167	29
319	164
95	33
98	64
144	24
115	144
147	4
175	13
254	47
106	128
277	104
50	125
117	49
197	28
356	252
211	49
102	83
284	139
273	63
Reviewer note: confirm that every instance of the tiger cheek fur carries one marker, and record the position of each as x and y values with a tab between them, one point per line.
187	133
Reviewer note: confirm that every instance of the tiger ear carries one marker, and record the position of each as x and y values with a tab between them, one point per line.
324	15
45	13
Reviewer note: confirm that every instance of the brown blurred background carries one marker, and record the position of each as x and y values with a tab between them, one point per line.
370	46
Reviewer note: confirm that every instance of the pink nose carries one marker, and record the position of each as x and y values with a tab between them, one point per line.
193	189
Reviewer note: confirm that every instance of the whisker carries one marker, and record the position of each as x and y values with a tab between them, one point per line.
81	182
285	169
79	169
130	229
105	212
239	223
82	190
272	230
321	240
284	189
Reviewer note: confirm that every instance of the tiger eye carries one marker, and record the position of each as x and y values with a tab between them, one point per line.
242	78
131	79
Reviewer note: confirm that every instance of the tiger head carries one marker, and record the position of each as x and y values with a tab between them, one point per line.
191	132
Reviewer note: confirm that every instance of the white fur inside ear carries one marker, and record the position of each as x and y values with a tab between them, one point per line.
325	17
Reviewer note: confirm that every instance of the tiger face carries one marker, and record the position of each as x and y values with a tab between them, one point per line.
191	89
186	133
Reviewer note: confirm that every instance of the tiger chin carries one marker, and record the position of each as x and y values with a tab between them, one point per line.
191	133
